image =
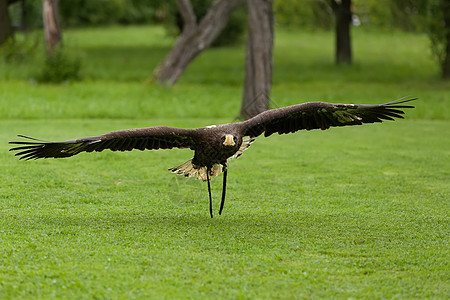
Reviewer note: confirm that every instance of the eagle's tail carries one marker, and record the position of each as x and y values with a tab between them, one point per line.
189	170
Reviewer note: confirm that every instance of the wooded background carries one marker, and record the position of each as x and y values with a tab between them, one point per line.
200	24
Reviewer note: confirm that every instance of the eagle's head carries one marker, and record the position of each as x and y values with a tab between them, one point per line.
230	140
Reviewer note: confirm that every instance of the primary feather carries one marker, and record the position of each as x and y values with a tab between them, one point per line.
321	115
311	115
160	137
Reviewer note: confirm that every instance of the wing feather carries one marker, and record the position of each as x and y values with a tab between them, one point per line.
321	115
160	137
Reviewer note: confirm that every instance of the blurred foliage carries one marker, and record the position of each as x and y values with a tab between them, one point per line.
60	66
406	15
93	13
313	14
100	12
310	14
14	51
32	17
76	13
400	14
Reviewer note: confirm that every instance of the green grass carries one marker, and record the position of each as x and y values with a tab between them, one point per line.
358	212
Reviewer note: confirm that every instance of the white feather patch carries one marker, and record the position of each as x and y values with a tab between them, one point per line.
189	170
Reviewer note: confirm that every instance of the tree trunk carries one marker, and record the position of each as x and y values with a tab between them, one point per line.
6	31
52	28
23	16
343	18
446	62
259	58
194	39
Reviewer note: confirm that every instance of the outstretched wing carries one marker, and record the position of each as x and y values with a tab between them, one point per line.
160	137
320	115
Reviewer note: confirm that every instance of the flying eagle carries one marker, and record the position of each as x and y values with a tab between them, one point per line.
213	146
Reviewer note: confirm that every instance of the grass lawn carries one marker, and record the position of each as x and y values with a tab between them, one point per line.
357	212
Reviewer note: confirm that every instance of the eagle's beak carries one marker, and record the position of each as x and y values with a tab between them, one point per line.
229	140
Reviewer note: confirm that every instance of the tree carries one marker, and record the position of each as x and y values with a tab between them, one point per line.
52	28
58	65
195	37
258	61
6	31
343	19
439	33
437	24
446	24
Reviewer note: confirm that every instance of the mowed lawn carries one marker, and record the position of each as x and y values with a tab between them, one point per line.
356	212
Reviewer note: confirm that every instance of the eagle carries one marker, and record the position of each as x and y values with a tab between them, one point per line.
215	145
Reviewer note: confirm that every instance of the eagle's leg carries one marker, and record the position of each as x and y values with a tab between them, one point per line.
208	170
224	187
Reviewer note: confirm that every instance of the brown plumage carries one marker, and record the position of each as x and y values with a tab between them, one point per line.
214	145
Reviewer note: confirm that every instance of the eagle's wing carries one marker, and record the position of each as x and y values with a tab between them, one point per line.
320	115
160	137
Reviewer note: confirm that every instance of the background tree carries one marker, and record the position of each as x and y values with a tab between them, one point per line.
343	20
52	28
259	58
438	29
6	30
231	34
195	37
446	25
59	66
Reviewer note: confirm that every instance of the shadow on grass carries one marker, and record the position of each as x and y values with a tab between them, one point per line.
148	221
195	225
